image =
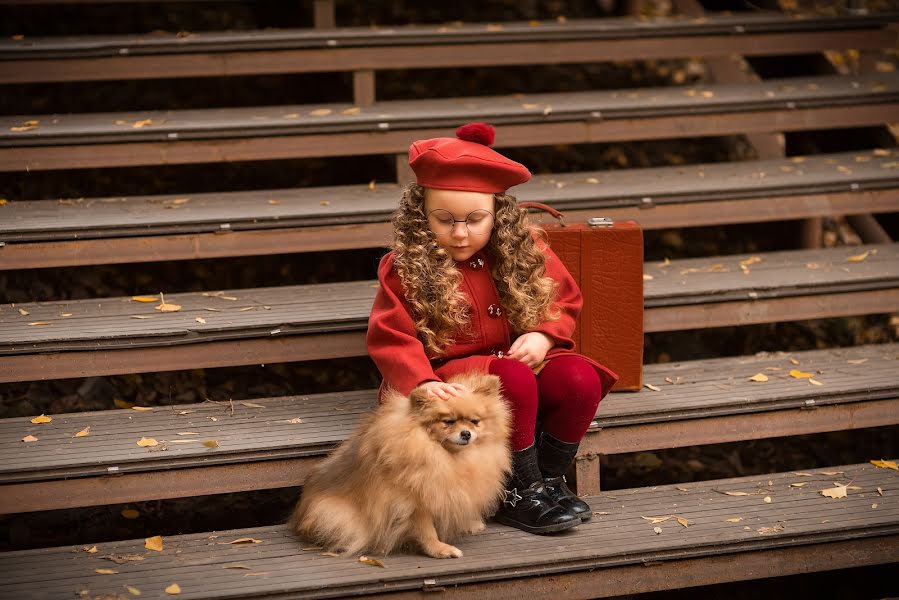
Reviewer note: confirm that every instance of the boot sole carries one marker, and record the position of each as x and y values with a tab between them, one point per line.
538	530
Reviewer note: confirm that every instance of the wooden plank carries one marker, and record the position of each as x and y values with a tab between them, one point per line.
610	541
712	401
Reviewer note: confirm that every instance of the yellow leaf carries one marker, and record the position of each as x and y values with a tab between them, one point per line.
246	541
885	464
166	307
320	112
41	419
142	408
800	374
750	261
859	257
371	184
351	111
734	520
682	521
84	432
325	203
91	550
145	442
141	123
211	444
759	377
173	589
371	561
144	298
154	543
105	571
132	590
29	438
835	492
655	520
130	513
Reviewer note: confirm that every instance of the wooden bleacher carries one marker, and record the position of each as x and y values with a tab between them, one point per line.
259	447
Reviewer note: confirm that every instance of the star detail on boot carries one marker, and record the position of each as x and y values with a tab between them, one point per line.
511	497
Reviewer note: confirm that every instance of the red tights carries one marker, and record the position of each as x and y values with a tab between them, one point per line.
564	396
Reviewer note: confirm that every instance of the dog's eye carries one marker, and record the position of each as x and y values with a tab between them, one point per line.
449	421
475	421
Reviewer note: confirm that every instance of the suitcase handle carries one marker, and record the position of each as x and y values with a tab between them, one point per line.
544	207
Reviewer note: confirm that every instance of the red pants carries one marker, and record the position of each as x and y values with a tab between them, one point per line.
564	396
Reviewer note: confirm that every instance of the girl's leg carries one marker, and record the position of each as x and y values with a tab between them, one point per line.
570	391
526	505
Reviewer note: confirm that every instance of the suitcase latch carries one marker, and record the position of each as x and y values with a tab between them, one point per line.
600	222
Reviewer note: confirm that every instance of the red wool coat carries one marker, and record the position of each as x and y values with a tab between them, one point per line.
405	363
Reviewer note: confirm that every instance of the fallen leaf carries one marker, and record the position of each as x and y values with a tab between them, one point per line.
295	421
759	377
122	403
657	529
141	316
325	203
173	589
41	419
121	559
857	361
331	554
683	489
146	442
654	520
835	492
874	505
154	543
24	312
735	493
647	277
211	444
236	567
200	320
800	374
799	484
130	513
652	387
832	472
734	520
142	408
859	257
252	404
166	307
768	499
105	571
188	433
141	123
769	530
885	464
750	261
371	184
351	111
814	381
320	112
880	491
682	521
794	361
91	550
371	561
84	432
804	474
29	438
246	541
41	323
132	590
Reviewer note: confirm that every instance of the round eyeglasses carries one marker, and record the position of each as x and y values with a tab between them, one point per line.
478	222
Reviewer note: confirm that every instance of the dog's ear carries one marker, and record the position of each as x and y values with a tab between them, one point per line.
488	385
419	397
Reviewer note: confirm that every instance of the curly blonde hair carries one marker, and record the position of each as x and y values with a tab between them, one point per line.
431	280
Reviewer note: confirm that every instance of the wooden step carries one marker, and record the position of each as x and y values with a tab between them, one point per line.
250	52
798	531
79	338
235	134
70	232
260	447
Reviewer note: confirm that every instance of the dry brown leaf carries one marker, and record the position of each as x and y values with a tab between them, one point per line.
294	421
794	361
736	493
132	590
885	464
371	561
142	408
200	320
121	559
768	499
655	520
105	571
351	111
91	550
880	491
804	474
84	432
859	257
682	521
682	489
814	381
167	307
141	123
252	404
331	554
734	520
652	387
246	540
29	438
769	530
857	361
236	567
212	444
173	589
41	323
24	312
146	442
41	419
800	374
154	543
759	377
320	112
130	513
835	492
799	484
750	261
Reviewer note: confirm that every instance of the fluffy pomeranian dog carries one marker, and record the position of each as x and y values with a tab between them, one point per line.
417	473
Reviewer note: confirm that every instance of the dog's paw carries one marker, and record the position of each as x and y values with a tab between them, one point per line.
441	550
476	526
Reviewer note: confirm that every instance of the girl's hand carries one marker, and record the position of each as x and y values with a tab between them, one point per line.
531	348
443	391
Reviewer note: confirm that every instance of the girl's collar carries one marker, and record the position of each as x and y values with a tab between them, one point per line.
477	262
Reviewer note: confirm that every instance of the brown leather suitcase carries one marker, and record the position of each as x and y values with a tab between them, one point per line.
606	259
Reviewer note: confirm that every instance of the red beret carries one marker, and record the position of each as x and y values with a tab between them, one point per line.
465	162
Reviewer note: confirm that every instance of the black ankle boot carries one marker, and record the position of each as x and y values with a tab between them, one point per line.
526	505
554	457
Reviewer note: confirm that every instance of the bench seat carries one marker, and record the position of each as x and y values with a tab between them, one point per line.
617	552
302	131
230	53
259	447
68	232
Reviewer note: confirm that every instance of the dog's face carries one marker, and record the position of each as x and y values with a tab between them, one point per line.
458	423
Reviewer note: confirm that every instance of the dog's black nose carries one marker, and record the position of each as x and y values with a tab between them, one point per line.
465	434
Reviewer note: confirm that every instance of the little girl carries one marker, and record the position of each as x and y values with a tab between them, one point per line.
470	286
